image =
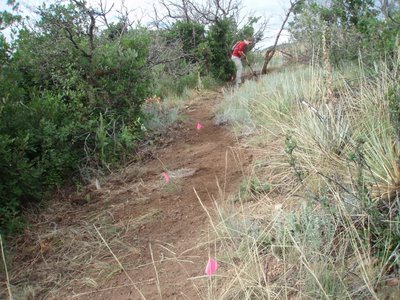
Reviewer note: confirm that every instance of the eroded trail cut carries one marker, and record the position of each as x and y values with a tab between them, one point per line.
144	233
172	244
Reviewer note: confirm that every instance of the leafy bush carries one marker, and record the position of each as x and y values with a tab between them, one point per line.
192	37
350	28
37	151
66	103
220	37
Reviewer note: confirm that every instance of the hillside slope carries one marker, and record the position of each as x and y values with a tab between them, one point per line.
136	235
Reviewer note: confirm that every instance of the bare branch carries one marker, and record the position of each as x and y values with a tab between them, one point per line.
104	12
124	13
72	40
169	54
204	12
270	53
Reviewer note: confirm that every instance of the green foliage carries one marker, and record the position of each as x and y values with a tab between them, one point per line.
67	101
356	23
220	37
339	180
192	36
7	21
211	47
36	152
7	18
380	37
359	160
114	31
290	146
394	110
120	75
169	86
383	230
71	92
248	31
251	188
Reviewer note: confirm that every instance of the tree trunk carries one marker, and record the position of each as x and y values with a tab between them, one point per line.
270	53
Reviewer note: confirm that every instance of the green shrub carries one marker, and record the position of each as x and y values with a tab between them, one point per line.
220	38
66	106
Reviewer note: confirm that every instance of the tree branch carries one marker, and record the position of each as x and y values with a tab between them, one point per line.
270	53
71	38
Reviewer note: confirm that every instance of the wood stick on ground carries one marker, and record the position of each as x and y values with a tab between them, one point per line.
119	263
155	269
5	268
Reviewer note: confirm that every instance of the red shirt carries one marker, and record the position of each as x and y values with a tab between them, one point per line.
240	47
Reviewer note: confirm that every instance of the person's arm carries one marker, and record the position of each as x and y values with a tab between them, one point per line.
241	50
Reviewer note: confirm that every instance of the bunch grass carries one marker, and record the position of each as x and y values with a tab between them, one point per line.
329	226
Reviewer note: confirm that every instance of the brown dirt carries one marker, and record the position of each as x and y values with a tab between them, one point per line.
157	231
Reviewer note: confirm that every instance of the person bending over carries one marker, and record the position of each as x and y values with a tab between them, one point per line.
237	54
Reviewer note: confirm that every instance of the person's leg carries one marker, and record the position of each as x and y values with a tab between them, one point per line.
239	69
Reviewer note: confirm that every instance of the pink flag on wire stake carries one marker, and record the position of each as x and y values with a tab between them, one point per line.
211	267
199	126
166	177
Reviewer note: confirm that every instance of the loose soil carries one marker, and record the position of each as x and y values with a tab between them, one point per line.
132	235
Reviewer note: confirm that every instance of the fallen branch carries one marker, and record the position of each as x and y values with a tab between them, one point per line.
5	268
119	263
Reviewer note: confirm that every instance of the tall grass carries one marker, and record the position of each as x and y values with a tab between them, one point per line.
329	226
176	93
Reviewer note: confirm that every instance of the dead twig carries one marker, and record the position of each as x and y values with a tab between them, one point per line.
155	269
5	268
270	53
119	263
251	69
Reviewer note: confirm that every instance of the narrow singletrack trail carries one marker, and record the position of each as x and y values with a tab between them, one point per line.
134	234
204	166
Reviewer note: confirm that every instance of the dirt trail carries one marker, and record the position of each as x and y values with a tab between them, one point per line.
156	230
170	244
195	159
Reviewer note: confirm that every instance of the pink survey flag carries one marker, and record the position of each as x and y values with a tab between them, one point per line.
199	126
166	177
211	267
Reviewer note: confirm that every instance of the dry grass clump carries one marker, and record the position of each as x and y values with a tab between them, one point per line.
329	226
62	254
